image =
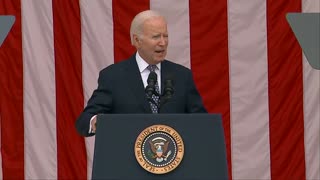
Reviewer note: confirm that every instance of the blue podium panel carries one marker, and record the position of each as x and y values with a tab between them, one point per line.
202	135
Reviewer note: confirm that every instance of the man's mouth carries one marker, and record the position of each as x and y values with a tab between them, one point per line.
159	51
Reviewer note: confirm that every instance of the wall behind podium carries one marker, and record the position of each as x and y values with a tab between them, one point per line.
246	62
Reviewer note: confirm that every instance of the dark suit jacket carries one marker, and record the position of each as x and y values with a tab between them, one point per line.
121	91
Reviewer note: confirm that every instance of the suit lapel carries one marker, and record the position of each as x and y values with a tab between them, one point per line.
136	84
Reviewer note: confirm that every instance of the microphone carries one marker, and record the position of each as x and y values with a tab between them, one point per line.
152	79
151	88
168	88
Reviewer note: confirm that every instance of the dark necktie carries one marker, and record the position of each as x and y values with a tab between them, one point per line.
154	105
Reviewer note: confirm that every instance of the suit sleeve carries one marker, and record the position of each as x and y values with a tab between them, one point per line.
194	100
100	102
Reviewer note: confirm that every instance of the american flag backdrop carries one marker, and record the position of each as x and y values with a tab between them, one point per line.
246	63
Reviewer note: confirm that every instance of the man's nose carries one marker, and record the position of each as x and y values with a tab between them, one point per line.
162	41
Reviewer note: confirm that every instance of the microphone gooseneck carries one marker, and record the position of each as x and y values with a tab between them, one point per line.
168	88
151	89
168	91
152	79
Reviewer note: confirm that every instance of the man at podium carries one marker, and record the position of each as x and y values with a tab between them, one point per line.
144	83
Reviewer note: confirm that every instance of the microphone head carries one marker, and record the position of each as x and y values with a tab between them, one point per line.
168	83
152	78
168	87
149	90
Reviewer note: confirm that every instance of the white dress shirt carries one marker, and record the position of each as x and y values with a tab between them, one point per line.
142	64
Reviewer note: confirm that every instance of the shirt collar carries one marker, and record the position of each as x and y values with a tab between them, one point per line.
142	64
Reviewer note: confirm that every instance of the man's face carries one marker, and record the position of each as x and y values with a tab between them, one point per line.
152	45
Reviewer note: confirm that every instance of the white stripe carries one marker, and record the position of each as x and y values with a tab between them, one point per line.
39	90
177	15
311	96
97	51
249	89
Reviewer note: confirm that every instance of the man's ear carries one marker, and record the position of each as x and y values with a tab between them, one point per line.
136	40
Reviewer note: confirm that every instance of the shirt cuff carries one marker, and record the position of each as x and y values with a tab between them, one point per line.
90	126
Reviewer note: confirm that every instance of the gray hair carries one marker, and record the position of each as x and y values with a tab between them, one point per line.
138	20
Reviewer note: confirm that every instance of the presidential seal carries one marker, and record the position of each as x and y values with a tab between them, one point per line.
159	149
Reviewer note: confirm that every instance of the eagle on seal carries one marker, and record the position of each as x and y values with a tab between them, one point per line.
159	150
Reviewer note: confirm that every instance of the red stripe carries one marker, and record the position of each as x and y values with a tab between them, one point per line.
11	96
285	93
123	13
209	59
72	161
